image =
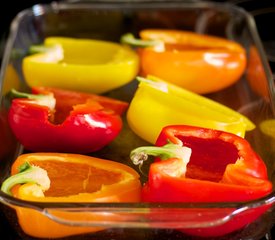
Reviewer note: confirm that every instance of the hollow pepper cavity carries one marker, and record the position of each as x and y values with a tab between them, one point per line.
53	119
157	103
198	62
68	178
88	65
204	165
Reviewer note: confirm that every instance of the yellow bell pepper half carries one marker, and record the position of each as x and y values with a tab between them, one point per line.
81	64
157	104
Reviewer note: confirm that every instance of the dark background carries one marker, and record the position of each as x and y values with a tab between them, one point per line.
11	10
262	10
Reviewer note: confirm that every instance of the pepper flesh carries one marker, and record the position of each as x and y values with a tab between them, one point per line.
81	65
166	104
120	183
80	123
197	62
222	168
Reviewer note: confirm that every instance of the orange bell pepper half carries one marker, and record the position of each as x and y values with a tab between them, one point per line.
197	62
255	74
68	178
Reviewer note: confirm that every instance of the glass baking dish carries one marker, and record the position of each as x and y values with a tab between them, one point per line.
108	21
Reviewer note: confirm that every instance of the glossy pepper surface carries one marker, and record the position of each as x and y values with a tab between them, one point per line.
256	75
198	62
204	165
81	64
157	103
60	120
68	178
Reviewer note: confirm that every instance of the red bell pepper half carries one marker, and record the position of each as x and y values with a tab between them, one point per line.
60	120
218	167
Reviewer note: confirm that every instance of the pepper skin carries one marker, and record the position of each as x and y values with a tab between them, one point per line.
222	168
11	80
7	139
197	62
107	181
81	64
157	103
256	75
78	123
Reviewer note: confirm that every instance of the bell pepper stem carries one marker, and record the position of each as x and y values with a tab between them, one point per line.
41	99
129	39
27	174
158	85
16	94
39	48
170	150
